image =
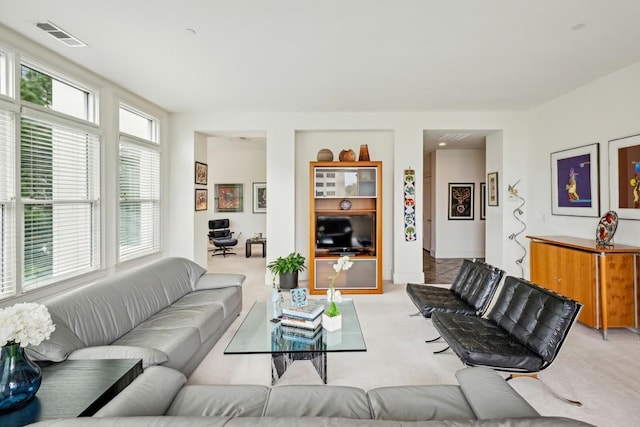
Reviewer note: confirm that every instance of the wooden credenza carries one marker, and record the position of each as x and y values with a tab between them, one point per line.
604	279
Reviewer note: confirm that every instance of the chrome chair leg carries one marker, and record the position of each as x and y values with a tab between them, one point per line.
442	351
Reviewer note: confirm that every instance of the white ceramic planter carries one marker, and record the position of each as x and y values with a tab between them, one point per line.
331	323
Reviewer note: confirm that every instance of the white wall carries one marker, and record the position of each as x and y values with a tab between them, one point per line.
282	129
606	109
458	238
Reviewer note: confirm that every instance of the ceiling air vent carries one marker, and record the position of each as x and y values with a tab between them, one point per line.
60	34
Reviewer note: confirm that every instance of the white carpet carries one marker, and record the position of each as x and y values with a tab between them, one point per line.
604	375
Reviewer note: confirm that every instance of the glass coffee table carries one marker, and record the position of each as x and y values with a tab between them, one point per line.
258	334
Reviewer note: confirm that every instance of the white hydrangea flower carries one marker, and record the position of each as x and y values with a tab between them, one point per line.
26	324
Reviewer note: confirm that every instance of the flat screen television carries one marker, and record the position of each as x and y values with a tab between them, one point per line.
346	233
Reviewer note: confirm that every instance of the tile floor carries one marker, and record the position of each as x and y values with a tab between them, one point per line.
442	270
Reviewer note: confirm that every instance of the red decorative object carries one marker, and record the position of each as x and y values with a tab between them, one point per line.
606	228
347	156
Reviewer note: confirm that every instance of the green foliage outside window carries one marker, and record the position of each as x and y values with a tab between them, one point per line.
36	178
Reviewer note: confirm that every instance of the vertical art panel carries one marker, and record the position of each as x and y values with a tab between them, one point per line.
409	205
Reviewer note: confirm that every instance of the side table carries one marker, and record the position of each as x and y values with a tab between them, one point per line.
75	388
255	241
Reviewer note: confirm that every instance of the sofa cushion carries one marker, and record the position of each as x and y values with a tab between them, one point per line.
220	400
149	356
229	298
314	401
219	280
179	344
151	393
415	403
206	318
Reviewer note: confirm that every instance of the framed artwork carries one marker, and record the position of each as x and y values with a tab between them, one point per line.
299	297
624	179
201	173
492	189
201	200
574	181
483	200
259	197
461	200
229	197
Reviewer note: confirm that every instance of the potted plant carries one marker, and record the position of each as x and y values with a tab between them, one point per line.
287	268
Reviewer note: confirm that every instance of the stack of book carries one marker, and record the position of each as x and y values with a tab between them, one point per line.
302	322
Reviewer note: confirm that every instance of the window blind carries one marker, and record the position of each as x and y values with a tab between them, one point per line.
60	187
139	198
7	206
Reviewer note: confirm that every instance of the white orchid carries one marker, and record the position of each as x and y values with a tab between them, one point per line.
25	323
343	263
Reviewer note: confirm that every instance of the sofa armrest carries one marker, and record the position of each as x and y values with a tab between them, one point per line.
151	393
219	280
490	396
149	356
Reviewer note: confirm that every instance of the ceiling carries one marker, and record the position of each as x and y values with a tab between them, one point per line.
341	55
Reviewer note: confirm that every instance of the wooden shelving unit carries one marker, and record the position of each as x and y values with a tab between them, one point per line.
345	218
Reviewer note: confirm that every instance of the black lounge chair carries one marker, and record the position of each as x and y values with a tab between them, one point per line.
469	294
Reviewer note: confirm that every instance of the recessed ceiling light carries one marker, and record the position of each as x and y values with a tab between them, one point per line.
442	144
59	34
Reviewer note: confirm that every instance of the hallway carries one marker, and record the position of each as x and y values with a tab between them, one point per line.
440	271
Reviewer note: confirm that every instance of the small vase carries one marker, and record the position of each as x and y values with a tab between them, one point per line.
331	323
20	378
364	153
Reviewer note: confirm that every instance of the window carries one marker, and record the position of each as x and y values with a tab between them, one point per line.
7	203
60	177
59	180
139	185
4	74
42	89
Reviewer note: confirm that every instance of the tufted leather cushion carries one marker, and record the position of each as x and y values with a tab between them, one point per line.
470	293
524	330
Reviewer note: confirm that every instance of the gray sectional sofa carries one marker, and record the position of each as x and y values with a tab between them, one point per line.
159	397
170	312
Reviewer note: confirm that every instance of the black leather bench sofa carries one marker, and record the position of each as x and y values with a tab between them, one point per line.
469	294
523	331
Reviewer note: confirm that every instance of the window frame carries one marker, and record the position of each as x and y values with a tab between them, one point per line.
153	145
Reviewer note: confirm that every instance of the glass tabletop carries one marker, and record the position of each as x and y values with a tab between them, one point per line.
258	334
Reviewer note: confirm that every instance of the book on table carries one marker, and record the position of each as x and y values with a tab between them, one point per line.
311	311
291	332
298	322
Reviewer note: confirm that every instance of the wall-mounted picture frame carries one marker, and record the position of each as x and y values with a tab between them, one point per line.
624	177
492	189
202	200
259	197
201	173
483	200
229	197
575	181
461	201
